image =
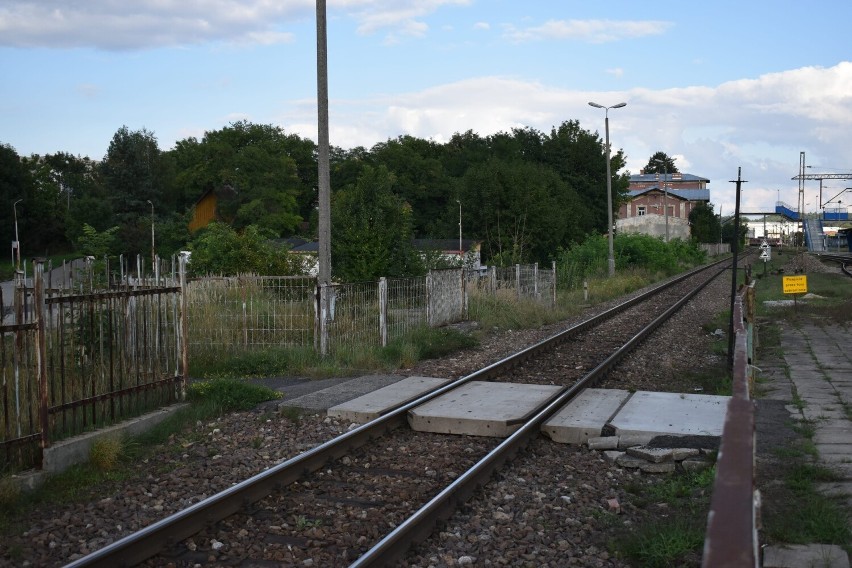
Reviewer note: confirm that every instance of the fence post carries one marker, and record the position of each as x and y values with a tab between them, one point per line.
383	310
492	280
41	350
464	311
322	317
535	281
429	316
518	280
183	334
553	267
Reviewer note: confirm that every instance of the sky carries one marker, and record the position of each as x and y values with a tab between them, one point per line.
721	86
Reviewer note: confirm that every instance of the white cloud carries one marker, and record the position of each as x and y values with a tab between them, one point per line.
616	71
591	31
136	24
142	24
482	26
758	124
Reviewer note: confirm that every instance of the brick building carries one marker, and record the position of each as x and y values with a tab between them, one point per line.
649	195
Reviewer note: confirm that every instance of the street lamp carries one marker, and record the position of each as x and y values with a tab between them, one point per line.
17	241
153	255
608	182
666	193
461	250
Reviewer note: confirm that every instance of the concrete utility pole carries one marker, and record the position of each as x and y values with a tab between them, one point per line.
735	246
324	178
611	258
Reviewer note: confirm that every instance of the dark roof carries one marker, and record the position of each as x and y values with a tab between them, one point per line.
685	194
419	244
443	244
648	178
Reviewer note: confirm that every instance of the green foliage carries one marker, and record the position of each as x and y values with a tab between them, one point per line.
588	259
654	167
664	543
704	224
219	249
372	231
97	243
433	343
260	363
264	185
230	394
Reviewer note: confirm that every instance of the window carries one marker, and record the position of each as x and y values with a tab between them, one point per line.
640	211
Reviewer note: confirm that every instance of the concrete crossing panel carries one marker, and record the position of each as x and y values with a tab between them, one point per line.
373	404
650	414
585	416
480	408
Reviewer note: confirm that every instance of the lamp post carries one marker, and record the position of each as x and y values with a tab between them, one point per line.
153	254
666	193
461	249
17	241
608	183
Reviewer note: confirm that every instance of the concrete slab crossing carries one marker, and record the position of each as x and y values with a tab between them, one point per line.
371	405
480	408
585	416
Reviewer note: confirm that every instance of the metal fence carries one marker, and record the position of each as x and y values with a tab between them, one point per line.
74	360
523	282
236	314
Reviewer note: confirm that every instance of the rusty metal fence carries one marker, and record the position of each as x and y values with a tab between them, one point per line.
76	358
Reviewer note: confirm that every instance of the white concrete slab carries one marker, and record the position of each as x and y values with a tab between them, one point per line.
480	408
650	414
371	405
585	416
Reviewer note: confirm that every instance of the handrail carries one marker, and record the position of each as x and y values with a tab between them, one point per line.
731	539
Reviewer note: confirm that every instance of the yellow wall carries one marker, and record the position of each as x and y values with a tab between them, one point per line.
203	212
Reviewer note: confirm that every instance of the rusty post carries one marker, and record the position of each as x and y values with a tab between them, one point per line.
184	329
41	349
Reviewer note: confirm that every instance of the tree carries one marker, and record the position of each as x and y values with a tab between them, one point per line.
704	225
524	211
134	174
15	184
219	249
668	165
372	230
254	164
579	158
419	179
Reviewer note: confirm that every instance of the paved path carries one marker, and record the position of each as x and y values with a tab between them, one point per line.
819	360
58	277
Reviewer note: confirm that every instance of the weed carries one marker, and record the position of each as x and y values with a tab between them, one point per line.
668	542
9	492
302	522
107	452
226	395
292	413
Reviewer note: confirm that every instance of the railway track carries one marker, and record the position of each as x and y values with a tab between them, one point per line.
845	262
363	482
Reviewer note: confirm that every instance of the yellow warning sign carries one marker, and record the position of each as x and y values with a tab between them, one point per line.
796	284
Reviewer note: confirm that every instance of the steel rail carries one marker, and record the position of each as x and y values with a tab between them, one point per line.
421	524
844	261
149	541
